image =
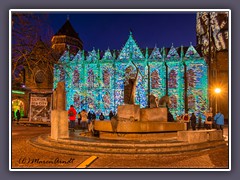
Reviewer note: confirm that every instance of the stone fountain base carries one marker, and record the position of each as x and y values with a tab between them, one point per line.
135	123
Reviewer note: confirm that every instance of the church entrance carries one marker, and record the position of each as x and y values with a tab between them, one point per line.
18	104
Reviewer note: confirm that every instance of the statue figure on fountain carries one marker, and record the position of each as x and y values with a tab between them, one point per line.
130	88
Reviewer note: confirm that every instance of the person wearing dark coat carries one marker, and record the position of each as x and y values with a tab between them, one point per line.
101	117
111	115
199	122
193	120
170	117
18	116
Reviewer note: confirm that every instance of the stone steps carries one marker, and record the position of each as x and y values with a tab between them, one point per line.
96	147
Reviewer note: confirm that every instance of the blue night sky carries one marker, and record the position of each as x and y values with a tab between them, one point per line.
111	29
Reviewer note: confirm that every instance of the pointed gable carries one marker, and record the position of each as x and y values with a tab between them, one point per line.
192	53
130	50
68	30
172	53
64	57
92	56
107	55
79	56
155	54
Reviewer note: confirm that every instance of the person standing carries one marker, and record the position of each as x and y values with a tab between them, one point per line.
18	114
84	116
79	118
91	124
111	115
199	122
101	117
13	118
72	113
193	121
89	117
186	120
219	119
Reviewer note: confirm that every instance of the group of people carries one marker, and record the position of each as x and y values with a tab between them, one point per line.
85	119
217	121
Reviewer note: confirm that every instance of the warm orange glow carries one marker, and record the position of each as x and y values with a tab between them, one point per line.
217	90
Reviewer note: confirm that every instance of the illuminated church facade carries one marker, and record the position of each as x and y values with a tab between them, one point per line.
95	80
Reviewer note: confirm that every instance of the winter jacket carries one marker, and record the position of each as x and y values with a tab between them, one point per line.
72	118
219	119
84	115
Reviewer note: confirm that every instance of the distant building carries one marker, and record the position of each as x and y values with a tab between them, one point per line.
32	90
66	38
95	80
35	80
212	37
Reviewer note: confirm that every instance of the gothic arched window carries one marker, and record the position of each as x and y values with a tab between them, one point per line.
90	78
191	78
155	79
106	78
76	100
173	100
76	78
172	82
129	74
191	102
106	100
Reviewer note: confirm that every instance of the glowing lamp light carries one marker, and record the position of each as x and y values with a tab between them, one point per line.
217	90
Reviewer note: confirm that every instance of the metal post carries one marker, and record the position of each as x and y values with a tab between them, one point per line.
216	103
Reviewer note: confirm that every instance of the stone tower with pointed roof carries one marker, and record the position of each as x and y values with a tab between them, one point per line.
66	38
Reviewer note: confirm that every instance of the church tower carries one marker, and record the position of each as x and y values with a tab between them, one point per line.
65	38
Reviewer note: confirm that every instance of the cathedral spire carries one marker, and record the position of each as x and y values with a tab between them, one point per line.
182	53
130	32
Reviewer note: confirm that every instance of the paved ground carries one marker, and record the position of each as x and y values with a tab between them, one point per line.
25	155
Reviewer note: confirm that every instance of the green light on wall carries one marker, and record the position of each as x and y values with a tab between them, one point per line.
17	92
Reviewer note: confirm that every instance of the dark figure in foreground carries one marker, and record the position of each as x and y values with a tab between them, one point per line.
208	123
170	117
18	116
193	121
111	115
199	122
186	120
13	118
89	116
101	117
79	118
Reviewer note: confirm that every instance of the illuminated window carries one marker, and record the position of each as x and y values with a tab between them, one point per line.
191	102
173	100
106	77
191	78
76	78
155	79
90	78
172	82
76	100
106	100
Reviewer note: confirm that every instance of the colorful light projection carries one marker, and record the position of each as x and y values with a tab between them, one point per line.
97	83
212	30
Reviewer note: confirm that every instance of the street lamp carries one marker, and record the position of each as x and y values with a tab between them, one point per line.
217	91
